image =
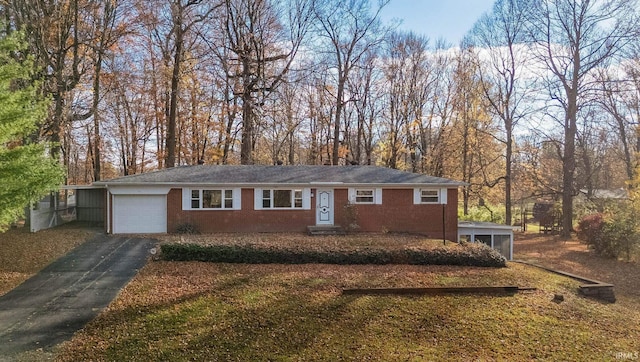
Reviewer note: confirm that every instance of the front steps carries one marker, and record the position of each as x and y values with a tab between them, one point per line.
325	230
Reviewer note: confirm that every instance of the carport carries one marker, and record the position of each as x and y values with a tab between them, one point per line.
69	203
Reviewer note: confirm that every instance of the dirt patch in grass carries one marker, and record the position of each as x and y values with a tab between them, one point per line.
23	253
574	257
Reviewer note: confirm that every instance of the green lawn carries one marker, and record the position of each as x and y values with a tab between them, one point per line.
219	312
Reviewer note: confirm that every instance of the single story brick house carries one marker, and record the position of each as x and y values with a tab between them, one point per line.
253	198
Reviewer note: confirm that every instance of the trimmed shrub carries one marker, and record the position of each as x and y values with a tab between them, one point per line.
469	255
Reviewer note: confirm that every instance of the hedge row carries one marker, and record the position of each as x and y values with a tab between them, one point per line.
469	255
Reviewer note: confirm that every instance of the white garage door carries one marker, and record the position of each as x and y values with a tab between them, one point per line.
139	214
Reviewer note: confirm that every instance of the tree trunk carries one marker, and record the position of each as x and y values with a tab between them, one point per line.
292	154
96	118
507	178
175	84
246	148
335	154
569	164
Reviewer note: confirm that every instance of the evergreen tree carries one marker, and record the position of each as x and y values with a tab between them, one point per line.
26	172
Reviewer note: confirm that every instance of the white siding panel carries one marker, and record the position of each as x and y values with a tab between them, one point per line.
257	199
306	199
443	196
352	195
237	199
186	198
378	196
416	196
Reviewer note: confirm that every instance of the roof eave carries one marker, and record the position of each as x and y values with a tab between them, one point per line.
262	184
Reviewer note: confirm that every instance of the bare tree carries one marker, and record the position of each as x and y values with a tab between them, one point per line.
184	16
408	76
619	99
440	110
283	119
319	107
471	137
367	87
264	38
348	29
222	69
498	36
104	17
573	38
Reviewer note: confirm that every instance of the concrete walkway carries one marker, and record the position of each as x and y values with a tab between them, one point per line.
51	306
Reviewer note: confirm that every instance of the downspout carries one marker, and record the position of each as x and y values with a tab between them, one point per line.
108	193
444	232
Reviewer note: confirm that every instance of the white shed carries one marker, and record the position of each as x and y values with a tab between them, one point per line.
497	236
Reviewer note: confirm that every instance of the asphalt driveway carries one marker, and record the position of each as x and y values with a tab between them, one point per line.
51	306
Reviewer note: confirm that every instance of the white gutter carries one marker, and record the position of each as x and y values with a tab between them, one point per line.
284	184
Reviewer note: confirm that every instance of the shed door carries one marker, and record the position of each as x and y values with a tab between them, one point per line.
139	214
324	207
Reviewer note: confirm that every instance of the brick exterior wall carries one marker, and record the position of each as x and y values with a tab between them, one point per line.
245	220
396	214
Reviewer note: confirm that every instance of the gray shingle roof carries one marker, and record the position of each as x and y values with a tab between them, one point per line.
607	194
298	175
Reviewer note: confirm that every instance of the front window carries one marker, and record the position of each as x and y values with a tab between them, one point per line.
212	199
429	196
217	199
364	196
281	199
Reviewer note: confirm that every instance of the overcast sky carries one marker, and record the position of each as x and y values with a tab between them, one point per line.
449	19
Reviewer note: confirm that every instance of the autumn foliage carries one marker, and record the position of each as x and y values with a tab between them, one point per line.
590	228
612	235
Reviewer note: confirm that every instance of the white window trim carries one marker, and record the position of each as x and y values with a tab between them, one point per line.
377	195
306	198
417	196
186	199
